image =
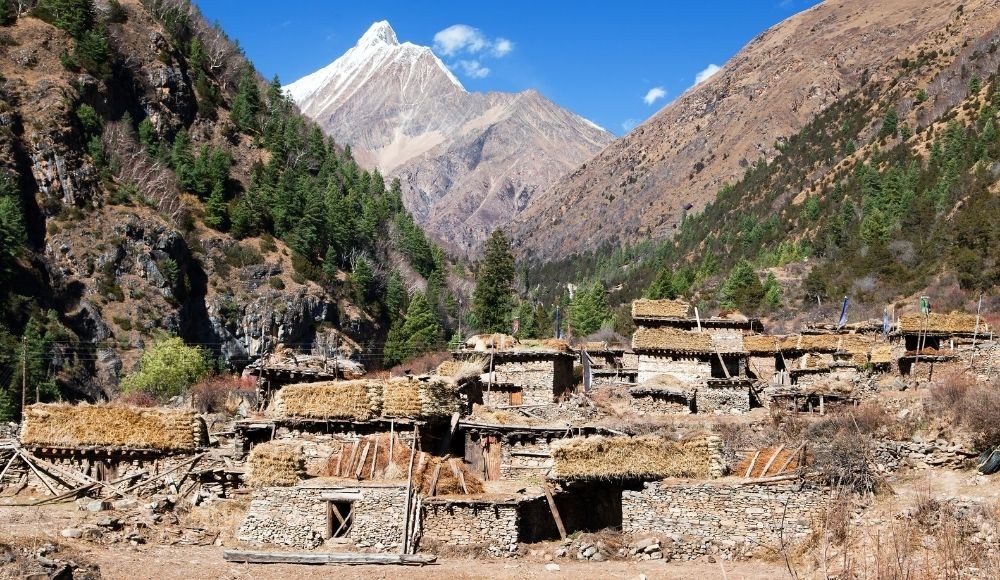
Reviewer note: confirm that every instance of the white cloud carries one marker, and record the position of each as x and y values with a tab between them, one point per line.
473	69
459	38
654	94
501	46
629	124
462	38
706	73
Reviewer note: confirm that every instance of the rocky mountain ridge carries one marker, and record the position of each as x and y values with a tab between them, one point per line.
675	162
468	162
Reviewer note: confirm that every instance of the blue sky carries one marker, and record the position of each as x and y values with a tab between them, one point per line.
607	61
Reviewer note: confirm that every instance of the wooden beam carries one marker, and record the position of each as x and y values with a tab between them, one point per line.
371	474
753	462
771	461
27	461
348	558
364	458
434	480
192	461
458	475
555	511
788	461
409	494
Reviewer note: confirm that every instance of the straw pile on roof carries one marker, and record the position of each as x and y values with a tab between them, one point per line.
63	425
881	354
647	457
275	464
420	399
462	369
448	483
762	343
660	308
955	322
496	341
663	384
671	339
358	400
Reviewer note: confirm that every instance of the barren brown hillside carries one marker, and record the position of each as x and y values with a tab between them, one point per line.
677	160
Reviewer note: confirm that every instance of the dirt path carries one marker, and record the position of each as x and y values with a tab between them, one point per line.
34	526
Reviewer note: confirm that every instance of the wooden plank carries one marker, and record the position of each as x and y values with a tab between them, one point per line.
24	457
753	462
458	475
555	511
409	493
364	458
371	474
7	466
192	461
763	473
434	480
350	458
788	461
349	558
492	456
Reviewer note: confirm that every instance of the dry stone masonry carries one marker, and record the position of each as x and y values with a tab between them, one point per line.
492	527
697	519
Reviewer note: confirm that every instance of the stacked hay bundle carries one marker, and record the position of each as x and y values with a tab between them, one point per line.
762	343
953	323
462	370
646	457
660	308
811	342
858	346
275	464
425	398
358	400
486	342
671	339
881	354
63	425
448	482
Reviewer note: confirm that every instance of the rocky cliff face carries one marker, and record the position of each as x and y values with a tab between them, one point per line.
677	160
468	162
116	273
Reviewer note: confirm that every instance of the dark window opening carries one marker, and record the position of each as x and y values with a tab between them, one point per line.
339	518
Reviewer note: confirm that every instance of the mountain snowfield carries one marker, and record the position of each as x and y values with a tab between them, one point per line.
468	162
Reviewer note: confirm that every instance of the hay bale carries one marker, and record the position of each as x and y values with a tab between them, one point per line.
660	308
462	369
762	343
275	464
63	425
357	400
425	398
647	457
954	322
881	354
671	339
447	483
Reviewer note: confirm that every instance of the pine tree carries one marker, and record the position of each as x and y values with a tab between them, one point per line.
417	334
493	298
589	310
526	321
363	280
662	286
544	325
12	230
216	210
246	103
182	160
772	292
742	289
890	123
396	297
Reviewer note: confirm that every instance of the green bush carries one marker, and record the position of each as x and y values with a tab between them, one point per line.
167	370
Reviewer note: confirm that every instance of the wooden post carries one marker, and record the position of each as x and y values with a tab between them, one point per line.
409	495
788	461
975	332
361	463
753	462
697	318
371	474
458	475
721	360
431	491
822	407
555	511
771	461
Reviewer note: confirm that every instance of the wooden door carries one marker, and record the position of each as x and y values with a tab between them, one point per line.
492	454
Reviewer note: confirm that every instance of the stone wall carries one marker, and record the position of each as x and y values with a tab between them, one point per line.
525	458
661	404
296	516
719	518
764	367
536	378
473	526
688	370
718	398
726	339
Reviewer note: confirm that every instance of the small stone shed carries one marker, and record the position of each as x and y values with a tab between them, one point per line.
485	522
524	376
733	518
368	515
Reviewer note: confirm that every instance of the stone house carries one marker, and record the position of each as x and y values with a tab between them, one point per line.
523	376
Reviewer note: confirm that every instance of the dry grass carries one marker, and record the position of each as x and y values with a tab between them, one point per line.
762	343
631	458
671	339
661	308
462	369
447	482
358	400
940	322
432	398
275	464
62	425
970	406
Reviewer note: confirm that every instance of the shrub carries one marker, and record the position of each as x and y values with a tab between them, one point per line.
276	283
139	399
240	256
117	12
167	370
212	394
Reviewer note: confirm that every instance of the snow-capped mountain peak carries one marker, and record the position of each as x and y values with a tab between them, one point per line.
379	33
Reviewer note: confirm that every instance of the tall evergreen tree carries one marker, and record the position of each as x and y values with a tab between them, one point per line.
742	289
417	334
589	310
493	298
246	104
